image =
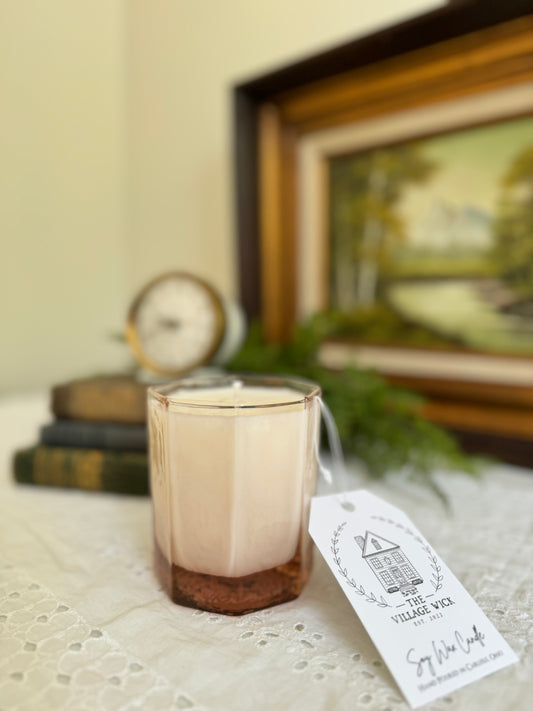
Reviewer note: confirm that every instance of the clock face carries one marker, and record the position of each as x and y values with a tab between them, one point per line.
175	324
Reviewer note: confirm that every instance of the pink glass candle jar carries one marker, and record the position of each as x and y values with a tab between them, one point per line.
233	468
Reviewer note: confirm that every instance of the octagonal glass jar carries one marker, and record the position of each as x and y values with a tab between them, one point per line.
232	470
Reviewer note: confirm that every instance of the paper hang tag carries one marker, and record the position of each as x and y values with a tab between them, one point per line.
428	629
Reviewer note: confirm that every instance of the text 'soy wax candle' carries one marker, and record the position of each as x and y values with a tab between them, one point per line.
233	469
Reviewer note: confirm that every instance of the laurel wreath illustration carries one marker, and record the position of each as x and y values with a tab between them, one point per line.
359	589
437	576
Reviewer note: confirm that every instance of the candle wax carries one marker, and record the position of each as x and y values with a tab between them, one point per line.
231	500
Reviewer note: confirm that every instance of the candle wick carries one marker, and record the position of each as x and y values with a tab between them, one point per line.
237	387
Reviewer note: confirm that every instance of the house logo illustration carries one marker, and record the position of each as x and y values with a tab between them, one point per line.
389	564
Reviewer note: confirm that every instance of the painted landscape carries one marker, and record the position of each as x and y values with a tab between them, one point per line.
432	241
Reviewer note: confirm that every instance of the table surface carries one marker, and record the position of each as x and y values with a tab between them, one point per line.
84	625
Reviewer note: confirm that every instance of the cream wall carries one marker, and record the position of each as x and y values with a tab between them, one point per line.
62	117
183	58
115	155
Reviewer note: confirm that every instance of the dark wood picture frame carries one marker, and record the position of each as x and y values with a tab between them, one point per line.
464	49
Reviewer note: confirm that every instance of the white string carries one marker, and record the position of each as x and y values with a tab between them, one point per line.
326	473
334	442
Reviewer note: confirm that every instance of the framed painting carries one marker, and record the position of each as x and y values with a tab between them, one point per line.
388	185
421	240
431	239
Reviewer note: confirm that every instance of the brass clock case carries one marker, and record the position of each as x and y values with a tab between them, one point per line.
135	339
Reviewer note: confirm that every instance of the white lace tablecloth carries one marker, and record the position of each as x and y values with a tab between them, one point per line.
84	625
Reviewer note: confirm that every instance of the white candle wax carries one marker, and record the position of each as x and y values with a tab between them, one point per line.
237	477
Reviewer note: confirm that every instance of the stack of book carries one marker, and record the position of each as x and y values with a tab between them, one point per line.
97	441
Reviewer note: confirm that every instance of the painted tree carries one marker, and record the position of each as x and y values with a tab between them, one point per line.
513	225
365	220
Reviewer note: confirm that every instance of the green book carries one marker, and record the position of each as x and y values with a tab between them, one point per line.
94	435
90	469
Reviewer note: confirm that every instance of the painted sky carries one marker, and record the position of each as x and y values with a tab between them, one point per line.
471	164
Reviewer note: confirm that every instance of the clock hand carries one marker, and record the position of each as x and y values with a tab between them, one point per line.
165	322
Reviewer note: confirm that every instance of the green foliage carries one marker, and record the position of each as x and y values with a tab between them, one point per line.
366	225
378	323
422	262
514	225
378	423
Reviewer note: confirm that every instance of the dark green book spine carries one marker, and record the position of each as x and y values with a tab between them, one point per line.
90	469
94	435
